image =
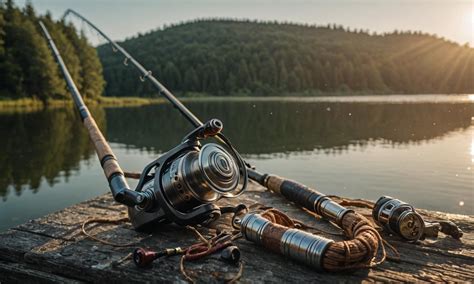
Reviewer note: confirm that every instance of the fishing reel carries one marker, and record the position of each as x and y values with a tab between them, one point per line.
399	218
182	184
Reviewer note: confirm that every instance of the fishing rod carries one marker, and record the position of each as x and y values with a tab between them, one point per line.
292	190
118	185
180	186
145	74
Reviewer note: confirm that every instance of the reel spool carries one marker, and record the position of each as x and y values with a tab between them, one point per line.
181	185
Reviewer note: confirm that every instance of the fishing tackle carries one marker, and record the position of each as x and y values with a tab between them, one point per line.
182	184
401	219
144	258
231	254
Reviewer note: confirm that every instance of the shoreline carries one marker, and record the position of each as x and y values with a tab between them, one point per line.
31	104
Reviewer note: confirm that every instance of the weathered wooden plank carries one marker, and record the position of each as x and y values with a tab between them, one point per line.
22	273
53	246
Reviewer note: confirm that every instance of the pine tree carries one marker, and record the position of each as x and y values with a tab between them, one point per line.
299	72
58	32
27	63
294	84
268	72
191	81
243	75
2	33
29	11
27	66
172	76
231	84
11	81
90	67
283	77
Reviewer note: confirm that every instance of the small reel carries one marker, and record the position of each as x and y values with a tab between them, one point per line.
183	183
399	218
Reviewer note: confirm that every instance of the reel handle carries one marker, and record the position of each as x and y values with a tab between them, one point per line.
209	129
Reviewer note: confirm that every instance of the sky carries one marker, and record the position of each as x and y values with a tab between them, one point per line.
451	19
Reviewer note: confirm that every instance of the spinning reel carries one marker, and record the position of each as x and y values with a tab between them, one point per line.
182	184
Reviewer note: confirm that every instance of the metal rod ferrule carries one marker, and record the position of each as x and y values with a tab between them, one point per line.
252	227
304	247
332	211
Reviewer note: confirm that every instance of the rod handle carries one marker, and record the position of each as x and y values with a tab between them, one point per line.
104	152
295	192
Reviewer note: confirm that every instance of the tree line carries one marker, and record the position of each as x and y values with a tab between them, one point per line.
27	66
230	57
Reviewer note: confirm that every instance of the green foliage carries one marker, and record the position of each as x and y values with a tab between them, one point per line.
27	66
247	57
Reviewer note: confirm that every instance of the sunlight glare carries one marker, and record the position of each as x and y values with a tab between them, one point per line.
471	97
472	17
472	150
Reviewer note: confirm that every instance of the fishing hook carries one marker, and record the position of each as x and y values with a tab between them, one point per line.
125	61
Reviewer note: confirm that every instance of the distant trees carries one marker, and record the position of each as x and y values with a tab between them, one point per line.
229	57
226	57
27	66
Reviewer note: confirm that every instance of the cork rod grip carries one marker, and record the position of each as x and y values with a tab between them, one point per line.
102	148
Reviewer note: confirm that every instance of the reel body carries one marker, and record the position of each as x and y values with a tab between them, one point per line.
399	218
181	185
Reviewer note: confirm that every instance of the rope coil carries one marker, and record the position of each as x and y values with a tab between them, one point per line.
360	251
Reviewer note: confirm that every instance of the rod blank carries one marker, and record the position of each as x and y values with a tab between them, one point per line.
145	74
117	183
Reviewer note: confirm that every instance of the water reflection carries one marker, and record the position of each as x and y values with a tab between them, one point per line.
276	127
41	145
50	144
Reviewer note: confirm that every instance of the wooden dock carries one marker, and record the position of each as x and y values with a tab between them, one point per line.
53	249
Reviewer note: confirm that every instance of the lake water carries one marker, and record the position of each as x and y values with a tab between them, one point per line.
416	148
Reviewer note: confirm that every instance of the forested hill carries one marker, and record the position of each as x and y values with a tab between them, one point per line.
227	57
27	66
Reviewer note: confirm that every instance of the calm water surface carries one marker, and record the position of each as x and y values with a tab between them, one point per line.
419	149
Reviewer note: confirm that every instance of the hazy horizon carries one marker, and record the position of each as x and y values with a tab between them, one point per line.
453	20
